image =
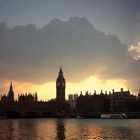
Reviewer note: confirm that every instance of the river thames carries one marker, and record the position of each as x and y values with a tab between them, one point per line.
69	129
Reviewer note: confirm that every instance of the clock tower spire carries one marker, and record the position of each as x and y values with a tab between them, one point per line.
11	93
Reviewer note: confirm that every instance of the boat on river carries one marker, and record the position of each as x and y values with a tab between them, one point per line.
114	116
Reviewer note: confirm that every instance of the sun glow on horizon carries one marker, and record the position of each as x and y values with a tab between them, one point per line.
94	83
47	90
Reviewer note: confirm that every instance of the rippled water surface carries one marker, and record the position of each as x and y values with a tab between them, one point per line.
71	129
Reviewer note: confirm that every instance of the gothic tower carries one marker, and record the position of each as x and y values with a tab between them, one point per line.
60	87
11	94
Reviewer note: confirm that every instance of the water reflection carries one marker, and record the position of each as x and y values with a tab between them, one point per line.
60	129
26	129
17	129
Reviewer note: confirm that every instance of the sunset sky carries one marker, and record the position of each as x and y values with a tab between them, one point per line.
97	43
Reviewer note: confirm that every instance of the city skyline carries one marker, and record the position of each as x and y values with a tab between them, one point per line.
60	81
96	42
29	105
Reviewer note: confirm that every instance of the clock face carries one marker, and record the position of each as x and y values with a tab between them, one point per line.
63	84
58	84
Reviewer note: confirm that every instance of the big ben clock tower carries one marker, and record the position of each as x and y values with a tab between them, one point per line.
60	87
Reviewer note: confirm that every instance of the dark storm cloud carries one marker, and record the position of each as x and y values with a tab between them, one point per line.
118	17
31	54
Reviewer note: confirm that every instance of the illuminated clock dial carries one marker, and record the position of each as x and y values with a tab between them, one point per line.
58	84
63	84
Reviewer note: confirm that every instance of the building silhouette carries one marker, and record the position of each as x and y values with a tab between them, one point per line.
93	102
10	96
89	104
72	100
121	101
139	95
60	87
27	98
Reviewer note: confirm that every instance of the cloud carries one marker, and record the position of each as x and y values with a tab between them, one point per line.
135	51
32	54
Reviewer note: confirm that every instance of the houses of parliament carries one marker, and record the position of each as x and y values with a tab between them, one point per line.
60	92
91	104
28	102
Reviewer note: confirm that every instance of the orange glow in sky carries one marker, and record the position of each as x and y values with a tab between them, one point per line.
47	91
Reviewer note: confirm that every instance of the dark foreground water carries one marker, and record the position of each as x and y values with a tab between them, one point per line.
71	129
